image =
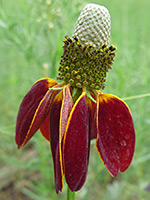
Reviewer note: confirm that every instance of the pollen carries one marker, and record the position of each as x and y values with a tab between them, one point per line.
84	65
75	72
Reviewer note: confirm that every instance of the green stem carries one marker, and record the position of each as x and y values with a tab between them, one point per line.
70	195
137	96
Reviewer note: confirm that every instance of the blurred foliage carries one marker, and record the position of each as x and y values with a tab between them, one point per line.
31	34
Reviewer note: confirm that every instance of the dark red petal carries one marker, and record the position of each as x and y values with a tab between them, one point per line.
84	175
29	107
54	141
38	118
116	136
77	144
45	127
93	128
91	106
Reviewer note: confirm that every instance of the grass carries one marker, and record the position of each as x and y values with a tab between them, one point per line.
31	35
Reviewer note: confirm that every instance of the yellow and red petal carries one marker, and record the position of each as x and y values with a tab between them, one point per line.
36	99
38	118
77	144
66	108
60	111
54	141
116	135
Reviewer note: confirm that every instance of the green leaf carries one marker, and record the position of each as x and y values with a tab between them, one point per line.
89	95
59	88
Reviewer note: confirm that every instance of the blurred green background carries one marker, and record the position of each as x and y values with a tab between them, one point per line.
31	34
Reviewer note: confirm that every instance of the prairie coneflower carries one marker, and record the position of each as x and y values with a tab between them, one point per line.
72	113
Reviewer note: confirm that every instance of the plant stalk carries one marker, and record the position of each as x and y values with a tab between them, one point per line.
70	194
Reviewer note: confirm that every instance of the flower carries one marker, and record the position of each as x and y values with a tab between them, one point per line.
72	113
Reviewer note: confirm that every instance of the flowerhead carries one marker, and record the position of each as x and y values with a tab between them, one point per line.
72	113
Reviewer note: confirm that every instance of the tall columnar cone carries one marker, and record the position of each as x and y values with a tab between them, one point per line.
87	57
93	25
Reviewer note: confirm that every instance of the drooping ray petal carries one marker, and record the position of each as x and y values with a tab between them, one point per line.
54	141
76	144
116	136
39	116
66	108
90	105
29	106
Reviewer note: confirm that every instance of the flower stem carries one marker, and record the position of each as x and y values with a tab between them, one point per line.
70	194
